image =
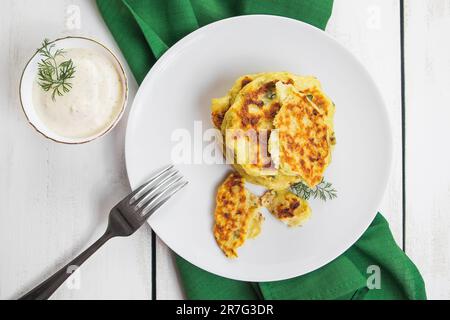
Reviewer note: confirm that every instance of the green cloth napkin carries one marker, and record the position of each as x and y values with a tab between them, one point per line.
373	268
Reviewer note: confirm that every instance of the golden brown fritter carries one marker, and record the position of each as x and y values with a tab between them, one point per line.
220	106
305	134
286	207
236	216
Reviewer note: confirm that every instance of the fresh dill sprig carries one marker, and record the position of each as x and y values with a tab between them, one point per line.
323	191
54	76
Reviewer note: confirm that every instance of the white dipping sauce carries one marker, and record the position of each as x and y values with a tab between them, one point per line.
92	104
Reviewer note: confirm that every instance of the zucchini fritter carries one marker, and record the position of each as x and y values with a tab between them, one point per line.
305	134
286	207
236	216
220	106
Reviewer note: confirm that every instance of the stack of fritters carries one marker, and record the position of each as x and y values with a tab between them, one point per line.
278	130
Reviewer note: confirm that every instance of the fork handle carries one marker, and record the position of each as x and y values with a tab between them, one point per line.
49	286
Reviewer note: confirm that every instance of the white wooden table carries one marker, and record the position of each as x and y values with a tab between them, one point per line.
55	198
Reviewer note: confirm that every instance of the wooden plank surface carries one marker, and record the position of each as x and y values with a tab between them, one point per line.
55	198
371	30
427	85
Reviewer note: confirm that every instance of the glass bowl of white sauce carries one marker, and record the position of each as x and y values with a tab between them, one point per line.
95	102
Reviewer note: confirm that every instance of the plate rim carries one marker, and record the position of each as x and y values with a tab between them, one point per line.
286	274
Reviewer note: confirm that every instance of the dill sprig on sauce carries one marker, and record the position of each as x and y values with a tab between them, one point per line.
54	76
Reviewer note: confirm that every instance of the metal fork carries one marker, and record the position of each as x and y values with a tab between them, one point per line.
124	219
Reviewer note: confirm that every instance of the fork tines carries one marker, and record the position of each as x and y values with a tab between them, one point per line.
157	190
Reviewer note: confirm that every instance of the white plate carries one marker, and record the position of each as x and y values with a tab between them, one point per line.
177	92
